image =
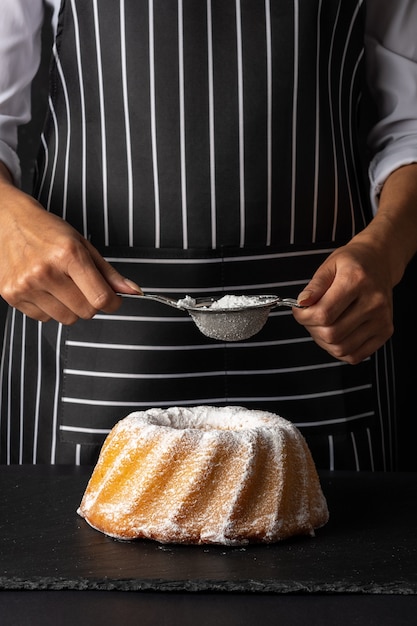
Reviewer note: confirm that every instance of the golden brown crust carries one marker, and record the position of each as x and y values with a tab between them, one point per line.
204	475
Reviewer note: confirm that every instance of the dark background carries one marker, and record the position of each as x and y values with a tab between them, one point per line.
405	336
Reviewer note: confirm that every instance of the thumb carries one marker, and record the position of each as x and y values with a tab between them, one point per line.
316	288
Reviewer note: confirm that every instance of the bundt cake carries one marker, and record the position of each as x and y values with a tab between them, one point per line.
204	475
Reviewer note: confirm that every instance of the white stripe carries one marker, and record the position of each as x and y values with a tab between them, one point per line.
126	376
355	451
102	123
45	165
147	318
2	371
69	132
221	289
371	454
22	390
331	452
241	123
140	348
213	207
79	429
352	149
294	122
332	123
9	388
355	115
317	131
383	390
269	119
129	170
180	402
210	346
153	126
54	162
2	363
88	402
381	421
338	420
83	121
38	395
390	399
341	103
228	259
202	374
141	318
56	394
182	125
321	394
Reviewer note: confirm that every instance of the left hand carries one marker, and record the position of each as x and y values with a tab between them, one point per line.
349	298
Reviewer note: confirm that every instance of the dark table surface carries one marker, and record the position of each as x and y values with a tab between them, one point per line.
364	560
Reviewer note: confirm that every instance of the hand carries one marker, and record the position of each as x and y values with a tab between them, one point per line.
349	298
47	269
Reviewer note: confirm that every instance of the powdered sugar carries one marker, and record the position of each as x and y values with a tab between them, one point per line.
238	302
228	302
204	475
231	318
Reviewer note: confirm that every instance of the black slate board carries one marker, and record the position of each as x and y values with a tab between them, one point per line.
369	545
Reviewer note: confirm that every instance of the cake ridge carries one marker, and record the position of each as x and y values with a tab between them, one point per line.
203	474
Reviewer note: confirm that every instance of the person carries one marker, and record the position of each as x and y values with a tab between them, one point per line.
203	148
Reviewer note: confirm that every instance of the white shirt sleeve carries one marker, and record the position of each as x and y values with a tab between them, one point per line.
20	47
391	53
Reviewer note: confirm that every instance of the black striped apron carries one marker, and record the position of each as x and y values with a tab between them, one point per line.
204	147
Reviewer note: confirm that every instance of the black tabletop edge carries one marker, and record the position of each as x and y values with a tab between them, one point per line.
206	586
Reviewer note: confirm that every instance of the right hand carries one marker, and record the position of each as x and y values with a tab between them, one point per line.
47	269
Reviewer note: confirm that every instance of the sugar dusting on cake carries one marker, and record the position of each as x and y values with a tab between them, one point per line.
223	475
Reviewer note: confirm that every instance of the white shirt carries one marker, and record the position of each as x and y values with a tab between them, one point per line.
391	54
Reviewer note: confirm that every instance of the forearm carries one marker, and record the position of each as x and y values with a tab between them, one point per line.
391	62
394	227
349	298
15	205
5	175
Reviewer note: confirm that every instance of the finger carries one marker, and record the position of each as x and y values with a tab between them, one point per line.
117	281
100	281
331	310
67	304
359	354
356	345
64	303
318	286
47	309
31	310
83	271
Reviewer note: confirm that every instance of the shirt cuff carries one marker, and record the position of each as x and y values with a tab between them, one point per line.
396	154
9	157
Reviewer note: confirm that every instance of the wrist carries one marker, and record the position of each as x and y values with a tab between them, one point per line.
394	227
5	174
